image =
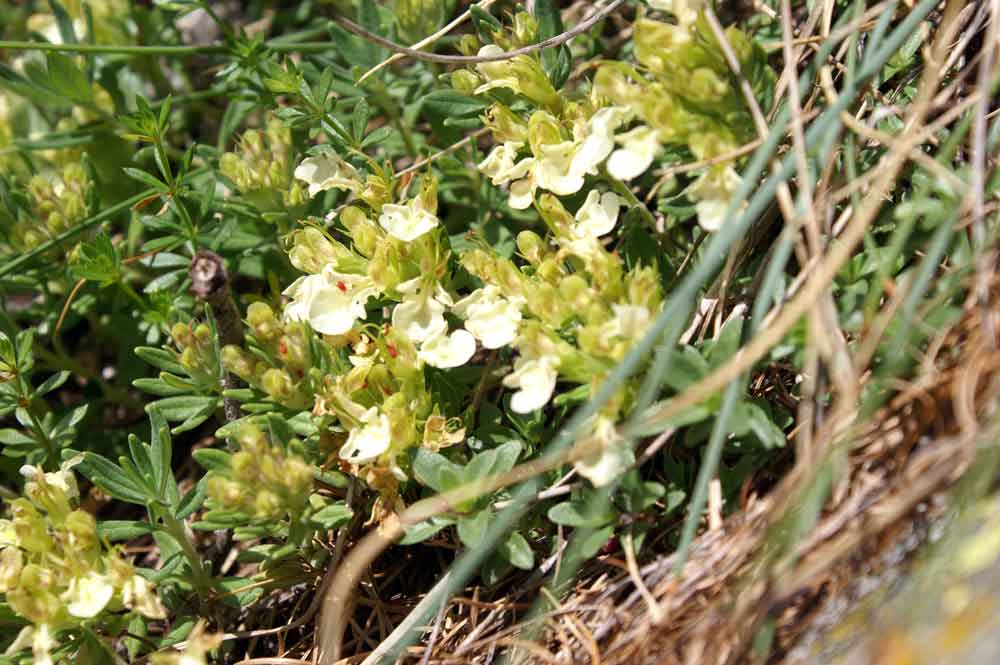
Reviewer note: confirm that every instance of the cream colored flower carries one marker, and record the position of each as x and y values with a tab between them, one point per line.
407	222
712	192
600	139
331	302
629	321
88	595
611	455
444	351
138	594
598	214
369	440
490	317
327	171
419	317
639	147
499	164
535	380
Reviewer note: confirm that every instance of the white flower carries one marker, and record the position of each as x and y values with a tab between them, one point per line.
600	139
611	458
369	440
629	321
419	317
598	214
712	191
407	222
639	147
138	595
87	595
553	169
535	379
331	302
500	162
446	351
490	317
327	171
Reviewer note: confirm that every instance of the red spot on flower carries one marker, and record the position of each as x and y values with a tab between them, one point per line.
392	350
342	286
282	347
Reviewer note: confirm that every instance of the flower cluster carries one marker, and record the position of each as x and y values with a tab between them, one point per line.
261	168
282	365
58	202
54	570
379	302
681	95
196	351
263	481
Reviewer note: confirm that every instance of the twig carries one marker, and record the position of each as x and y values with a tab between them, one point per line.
558	40
426	41
210	283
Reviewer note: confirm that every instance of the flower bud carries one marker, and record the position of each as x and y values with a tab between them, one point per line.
181	334
465	81
574	290
525	29
82	528
505	125
418	18
531	246
236	361
278	385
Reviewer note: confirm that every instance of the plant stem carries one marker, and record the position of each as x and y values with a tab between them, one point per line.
199	577
124	49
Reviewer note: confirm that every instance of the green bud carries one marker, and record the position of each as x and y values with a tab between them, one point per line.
525	29
574	290
181	334
465	81
505	125
278	385
267	504
243	467
468	44
531	246
82	528
236	361
418	18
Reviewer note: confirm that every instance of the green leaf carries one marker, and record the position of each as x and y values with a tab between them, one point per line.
332	516
751	417
556	61
98	261
418	533
472	528
212	459
115	530
66	79
443	104
578	513
436	471
147	179
517	550
193	500
493	462
52	383
686	368
191	410
113	479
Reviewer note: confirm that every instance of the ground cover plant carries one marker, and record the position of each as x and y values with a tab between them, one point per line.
447	331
